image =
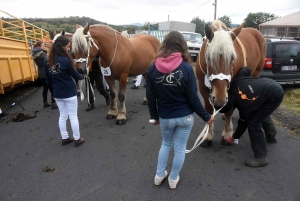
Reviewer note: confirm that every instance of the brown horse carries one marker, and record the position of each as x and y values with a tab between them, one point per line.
222	54
122	57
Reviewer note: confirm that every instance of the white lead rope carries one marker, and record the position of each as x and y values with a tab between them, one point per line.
87	80
204	132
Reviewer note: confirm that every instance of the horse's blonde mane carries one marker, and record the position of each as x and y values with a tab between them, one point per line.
221	44
79	42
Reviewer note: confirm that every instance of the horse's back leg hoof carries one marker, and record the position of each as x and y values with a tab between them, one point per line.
121	121
110	116
207	144
145	103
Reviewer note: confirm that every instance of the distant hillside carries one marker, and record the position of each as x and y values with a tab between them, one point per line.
69	23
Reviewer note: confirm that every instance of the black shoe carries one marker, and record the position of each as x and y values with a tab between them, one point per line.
90	107
46	104
270	139
135	87
54	106
67	141
257	162
79	142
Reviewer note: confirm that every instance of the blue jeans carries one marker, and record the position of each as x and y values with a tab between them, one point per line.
174	131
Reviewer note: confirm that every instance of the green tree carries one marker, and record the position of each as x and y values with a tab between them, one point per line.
146	26
199	25
226	20
254	19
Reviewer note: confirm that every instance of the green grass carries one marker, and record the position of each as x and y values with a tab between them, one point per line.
291	100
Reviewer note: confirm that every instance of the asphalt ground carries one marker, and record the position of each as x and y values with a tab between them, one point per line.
119	162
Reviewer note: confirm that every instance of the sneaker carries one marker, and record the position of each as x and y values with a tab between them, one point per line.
257	162
79	142
46	104
158	180
135	87
54	106
67	141
173	183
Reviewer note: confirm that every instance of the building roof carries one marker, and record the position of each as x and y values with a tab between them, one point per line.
288	20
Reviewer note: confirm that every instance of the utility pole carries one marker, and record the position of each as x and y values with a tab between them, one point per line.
215	4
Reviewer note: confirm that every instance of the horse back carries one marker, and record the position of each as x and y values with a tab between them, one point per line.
255	49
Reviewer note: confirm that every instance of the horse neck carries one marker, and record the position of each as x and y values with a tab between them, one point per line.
105	38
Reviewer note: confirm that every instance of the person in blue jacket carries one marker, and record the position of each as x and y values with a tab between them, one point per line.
172	96
61	75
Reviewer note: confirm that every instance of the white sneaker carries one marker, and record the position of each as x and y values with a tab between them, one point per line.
158	180
173	183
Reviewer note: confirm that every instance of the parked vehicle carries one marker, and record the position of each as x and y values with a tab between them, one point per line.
282	62
194	42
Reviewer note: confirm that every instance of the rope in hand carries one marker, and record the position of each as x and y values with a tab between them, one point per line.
202	136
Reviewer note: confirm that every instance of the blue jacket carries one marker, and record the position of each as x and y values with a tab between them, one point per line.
62	77
174	94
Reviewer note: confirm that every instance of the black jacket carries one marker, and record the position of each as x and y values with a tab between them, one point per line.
247	94
38	55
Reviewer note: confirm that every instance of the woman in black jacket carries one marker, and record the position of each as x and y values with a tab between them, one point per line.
39	54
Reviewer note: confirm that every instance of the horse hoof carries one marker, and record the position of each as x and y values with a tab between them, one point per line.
207	144
111	117
224	142
121	121
145	103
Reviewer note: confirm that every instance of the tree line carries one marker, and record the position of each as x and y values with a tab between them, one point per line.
68	24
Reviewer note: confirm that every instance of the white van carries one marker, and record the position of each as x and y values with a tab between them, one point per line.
194	42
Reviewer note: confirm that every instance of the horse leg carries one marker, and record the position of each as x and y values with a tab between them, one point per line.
121	118
113	110
228	127
145	102
207	143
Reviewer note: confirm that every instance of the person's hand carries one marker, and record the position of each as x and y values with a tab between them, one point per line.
212	119
156	122
229	140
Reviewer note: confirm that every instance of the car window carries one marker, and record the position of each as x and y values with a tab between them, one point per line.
286	50
192	37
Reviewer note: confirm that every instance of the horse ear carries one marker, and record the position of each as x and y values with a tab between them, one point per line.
209	33
86	29
63	33
236	31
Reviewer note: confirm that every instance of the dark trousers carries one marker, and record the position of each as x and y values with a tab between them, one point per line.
256	134
45	90
97	78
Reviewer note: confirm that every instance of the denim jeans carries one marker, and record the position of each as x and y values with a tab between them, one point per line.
68	108
175	132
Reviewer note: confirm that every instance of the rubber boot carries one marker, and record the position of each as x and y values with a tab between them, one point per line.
257	162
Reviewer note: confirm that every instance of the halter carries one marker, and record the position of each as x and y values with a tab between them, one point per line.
208	79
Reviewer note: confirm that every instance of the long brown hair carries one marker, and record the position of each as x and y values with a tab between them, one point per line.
174	42
57	49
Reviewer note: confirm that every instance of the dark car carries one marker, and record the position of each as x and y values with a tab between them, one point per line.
282	62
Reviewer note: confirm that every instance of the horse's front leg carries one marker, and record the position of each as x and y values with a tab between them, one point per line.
228	127
207	143
113	109
121	118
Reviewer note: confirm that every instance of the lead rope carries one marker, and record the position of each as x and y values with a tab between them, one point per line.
202	136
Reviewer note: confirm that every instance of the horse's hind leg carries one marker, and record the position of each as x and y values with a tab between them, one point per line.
113	110
145	102
121	118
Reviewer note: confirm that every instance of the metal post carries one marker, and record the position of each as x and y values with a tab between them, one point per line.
215	4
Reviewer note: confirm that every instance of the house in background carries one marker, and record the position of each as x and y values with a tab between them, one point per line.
287	26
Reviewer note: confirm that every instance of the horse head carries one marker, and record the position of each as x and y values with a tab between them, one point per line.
219	56
84	48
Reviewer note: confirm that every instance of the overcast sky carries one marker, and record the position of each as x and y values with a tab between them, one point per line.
120	12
